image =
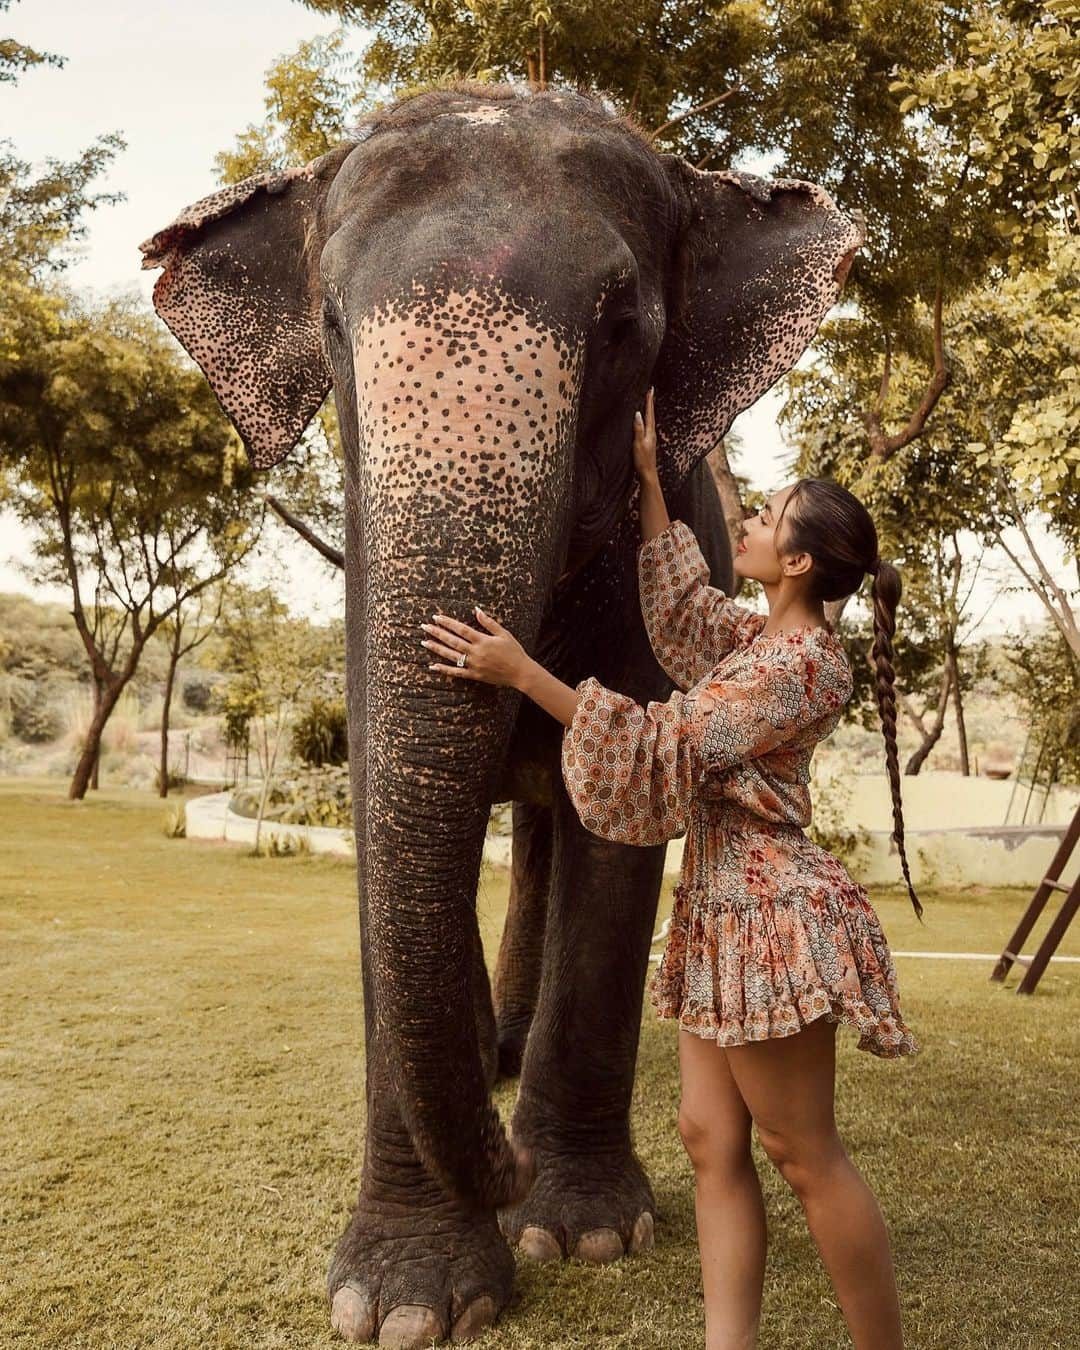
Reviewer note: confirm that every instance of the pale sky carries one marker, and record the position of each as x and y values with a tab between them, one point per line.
179	81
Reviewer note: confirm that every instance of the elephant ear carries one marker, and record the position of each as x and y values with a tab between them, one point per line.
764	260
240	293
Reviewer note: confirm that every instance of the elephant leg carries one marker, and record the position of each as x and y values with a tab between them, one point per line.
521	952
413	1265
591	1197
487	1029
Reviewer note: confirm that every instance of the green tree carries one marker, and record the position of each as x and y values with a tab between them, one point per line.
1044	675
195	611
656	58
115	452
15	57
312	94
274	658
40	216
1020	341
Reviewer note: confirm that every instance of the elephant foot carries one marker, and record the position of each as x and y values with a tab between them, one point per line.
418	1278
595	1208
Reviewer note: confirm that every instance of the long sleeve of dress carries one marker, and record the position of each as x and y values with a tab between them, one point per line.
691	625
632	772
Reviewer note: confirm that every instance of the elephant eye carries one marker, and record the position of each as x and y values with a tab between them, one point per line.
623	327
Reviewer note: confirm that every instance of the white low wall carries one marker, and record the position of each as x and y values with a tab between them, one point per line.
950	801
950	832
209	817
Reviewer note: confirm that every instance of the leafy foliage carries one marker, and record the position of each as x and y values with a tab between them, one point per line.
35	715
311	96
320	733
1012	105
15	57
114	451
310	796
1045	676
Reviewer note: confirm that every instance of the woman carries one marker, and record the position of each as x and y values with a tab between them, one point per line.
770	936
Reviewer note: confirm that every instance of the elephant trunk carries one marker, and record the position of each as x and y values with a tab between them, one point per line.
466	418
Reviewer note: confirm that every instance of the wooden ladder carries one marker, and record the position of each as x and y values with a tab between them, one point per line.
1051	882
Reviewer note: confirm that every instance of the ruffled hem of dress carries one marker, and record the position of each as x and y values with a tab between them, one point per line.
810	940
886	1037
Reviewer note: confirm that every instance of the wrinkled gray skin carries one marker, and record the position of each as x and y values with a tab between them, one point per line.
490	280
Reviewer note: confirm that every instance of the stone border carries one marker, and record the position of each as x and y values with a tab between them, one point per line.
210	817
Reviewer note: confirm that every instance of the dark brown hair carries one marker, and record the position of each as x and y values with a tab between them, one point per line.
832	525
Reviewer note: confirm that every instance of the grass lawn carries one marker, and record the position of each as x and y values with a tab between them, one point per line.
182	1114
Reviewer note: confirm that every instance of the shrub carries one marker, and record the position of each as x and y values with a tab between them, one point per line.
320	735
198	693
174	823
283	846
35	717
305	797
831	826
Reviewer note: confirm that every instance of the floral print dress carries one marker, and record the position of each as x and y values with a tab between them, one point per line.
768	930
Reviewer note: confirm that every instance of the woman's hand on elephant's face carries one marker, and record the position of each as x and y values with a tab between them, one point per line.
645	441
495	657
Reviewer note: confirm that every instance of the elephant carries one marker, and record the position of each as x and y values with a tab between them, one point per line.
490	277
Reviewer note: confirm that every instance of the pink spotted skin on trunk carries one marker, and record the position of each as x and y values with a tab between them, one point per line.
466	407
465	402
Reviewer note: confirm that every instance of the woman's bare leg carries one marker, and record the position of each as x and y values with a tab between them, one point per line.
787	1083
715	1127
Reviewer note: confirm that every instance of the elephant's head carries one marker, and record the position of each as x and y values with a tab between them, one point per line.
490	280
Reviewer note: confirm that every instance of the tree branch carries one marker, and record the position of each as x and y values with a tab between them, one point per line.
305	532
883	445
691	112
1044	585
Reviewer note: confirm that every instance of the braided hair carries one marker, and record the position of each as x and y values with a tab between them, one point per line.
832	525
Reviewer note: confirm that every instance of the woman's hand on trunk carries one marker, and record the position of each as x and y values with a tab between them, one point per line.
498	658
494	657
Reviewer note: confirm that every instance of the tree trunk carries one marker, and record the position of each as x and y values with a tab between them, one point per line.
958	704
163	771
269	766
930	738
87	767
95	773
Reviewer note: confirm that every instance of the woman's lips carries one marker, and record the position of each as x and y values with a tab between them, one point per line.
742	546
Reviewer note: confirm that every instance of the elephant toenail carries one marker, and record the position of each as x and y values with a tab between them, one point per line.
411	1325
479	1314
539	1245
643	1238
352	1314
599	1246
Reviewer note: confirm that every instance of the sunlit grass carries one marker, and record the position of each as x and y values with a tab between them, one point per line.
182	1114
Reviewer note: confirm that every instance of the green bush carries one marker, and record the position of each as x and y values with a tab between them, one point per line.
198	694
320	735
174	822
35	716
304	797
831	826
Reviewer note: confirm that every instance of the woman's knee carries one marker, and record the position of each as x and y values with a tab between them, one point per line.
714	1145
801	1157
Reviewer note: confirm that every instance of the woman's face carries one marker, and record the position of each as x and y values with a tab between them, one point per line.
758	553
